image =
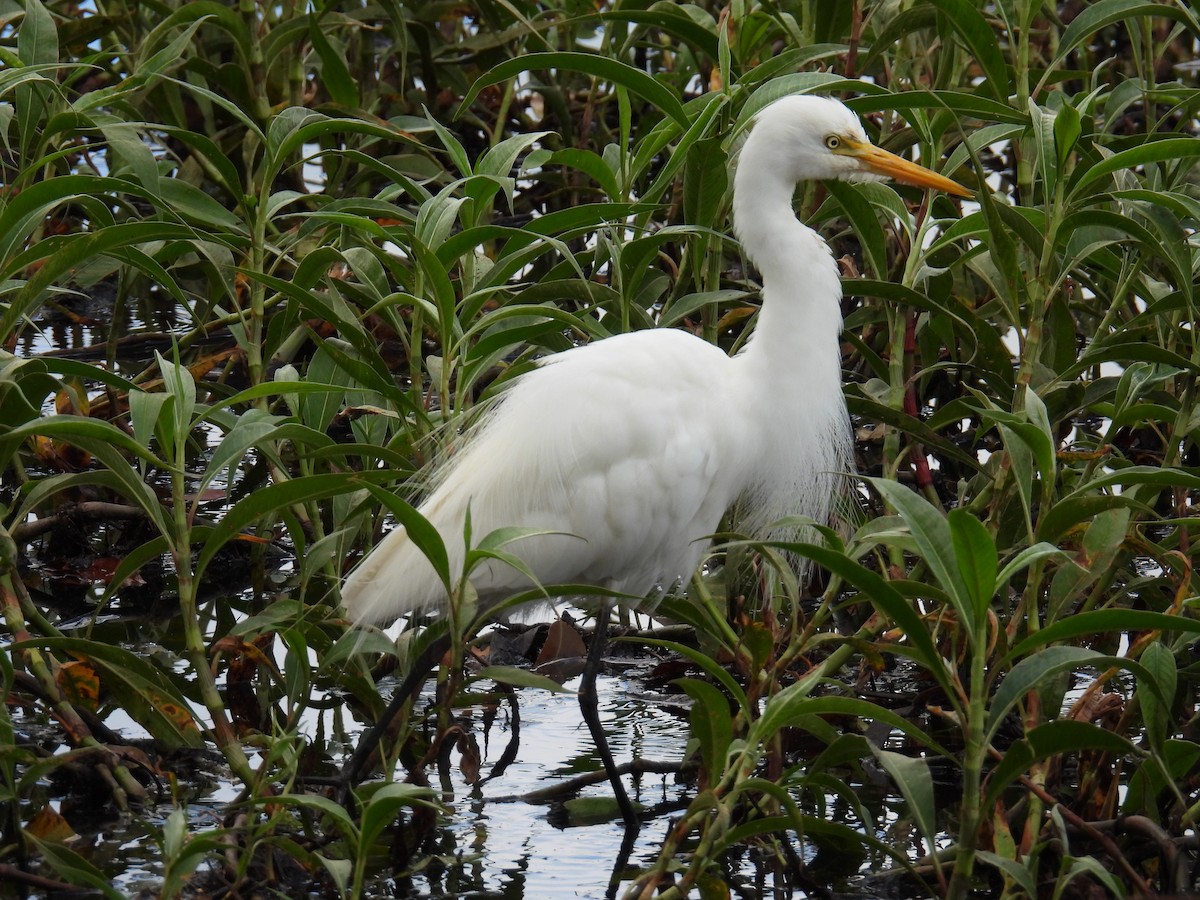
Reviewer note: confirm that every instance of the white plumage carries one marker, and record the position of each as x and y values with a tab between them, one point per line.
635	446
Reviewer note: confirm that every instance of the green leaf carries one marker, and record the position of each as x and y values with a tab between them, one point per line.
1160	663
975	552
708	665
1152	151
932	533
1024	559
194	205
705	181
711	724
522	678
1020	461
792	705
883	596
68	865
105	442
420	532
648	153
1065	736
1067	129
912	777
982	42
181	387
132	151
252	428
384	803
132	561
1043	136
671	19
1097	15
458	154
145	412
1030	672
1098	621
865	224
274	498
1021	875
145	692
614	71
592	165
335	76
37	38
499	160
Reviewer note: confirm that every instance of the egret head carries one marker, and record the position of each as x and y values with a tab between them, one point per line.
820	138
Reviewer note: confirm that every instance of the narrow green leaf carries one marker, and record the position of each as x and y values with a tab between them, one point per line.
1118	621
1097	15
975	551
711	724
132	151
673	20
1043	137
105	442
912	777
458	154
146	693
420	532
181	386
251	428
982	42
37	38
648	152
1024	559
273	498
866	225
1064	736
708	665
932	534
705	182
884	597
334	74
72	867
499	160
1160	662
614	71
145	412
1027	674
1067	129
384	803
1152	151
1021	875
522	678
1020	461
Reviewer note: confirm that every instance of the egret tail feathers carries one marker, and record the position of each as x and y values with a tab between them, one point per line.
394	579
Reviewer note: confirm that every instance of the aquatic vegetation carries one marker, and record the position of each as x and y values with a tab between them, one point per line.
259	264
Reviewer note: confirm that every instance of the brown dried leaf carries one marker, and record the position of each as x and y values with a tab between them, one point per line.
101	569
562	642
734	316
470	761
48	825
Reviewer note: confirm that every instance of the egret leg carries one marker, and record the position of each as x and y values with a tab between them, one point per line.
365	754
589	706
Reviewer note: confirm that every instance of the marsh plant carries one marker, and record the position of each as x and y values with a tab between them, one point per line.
260	263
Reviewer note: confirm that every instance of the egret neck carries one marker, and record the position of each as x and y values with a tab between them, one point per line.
805	446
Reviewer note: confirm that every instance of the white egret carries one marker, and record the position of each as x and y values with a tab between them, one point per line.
634	447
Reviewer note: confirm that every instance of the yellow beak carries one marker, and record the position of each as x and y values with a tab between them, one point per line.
880	162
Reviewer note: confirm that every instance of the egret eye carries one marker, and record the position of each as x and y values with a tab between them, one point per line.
833	142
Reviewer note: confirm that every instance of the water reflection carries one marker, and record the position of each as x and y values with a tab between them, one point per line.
494	844
81	325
